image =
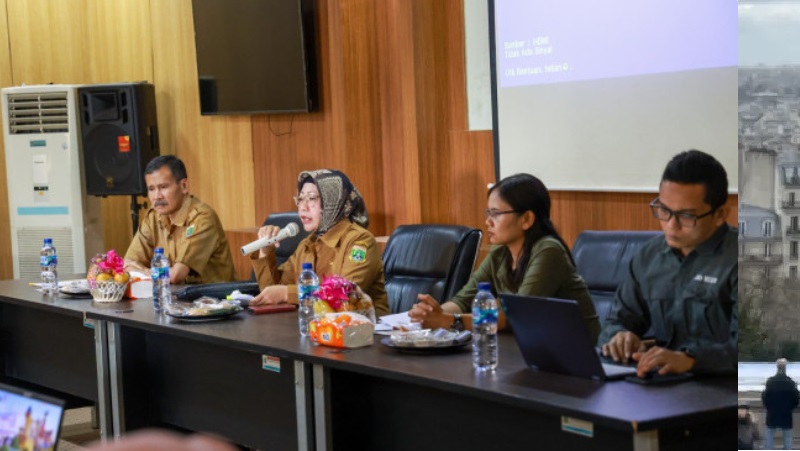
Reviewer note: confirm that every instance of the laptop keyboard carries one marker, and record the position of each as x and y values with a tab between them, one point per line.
608	361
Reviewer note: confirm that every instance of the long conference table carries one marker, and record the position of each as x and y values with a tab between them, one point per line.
257	382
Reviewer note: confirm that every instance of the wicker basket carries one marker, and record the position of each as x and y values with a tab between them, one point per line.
108	291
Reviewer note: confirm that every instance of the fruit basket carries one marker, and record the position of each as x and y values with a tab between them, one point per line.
108	291
107	277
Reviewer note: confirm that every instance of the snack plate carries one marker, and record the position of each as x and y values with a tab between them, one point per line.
454	347
203	318
77	289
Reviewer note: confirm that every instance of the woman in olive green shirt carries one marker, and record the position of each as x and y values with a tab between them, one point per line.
529	258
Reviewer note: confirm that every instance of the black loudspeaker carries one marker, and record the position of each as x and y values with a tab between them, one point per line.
119	132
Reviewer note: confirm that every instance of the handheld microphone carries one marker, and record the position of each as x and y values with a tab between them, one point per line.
291	229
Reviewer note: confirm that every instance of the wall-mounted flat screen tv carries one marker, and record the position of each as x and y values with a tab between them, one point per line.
255	56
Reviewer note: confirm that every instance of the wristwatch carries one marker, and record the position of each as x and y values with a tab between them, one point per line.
458	323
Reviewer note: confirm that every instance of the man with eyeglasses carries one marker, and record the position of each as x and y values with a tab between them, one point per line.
189	231
682	286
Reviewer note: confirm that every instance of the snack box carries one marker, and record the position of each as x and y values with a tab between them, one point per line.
140	286
342	330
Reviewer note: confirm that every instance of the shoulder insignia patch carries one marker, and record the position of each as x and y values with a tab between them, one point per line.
358	253
190	231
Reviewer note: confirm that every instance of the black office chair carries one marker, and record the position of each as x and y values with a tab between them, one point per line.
428	258
602	259
282	253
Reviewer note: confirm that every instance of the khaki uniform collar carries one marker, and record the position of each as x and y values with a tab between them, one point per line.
335	233
180	216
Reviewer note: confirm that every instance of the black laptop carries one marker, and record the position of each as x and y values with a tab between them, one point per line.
553	337
29	420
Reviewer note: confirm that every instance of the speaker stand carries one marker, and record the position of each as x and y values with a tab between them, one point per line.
135	206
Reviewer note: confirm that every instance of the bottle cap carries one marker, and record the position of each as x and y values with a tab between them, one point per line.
48	241
307	266
484	286
159	250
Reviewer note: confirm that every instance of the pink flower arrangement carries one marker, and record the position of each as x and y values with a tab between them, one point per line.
337	294
112	262
107	267
335	290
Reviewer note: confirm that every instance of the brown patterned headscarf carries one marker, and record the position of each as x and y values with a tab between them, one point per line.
340	199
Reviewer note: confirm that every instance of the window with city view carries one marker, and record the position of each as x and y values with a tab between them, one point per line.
769	180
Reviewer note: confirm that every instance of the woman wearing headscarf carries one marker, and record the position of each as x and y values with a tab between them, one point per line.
528	257
332	210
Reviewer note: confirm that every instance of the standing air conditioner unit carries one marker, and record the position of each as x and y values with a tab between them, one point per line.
46	194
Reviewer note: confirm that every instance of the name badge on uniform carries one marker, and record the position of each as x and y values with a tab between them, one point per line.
190	231
705	279
358	253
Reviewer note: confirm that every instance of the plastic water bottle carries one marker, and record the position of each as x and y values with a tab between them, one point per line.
484	329
159	271
307	285
48	261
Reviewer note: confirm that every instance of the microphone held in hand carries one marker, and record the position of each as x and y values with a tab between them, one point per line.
291	229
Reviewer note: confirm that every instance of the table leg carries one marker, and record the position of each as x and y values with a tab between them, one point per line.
322	408
645	441
304	406
115	380
103	395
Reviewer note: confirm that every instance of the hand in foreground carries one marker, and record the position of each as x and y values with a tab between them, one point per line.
665	360
153	440
622	346
273	294
428	312
268	231
131	265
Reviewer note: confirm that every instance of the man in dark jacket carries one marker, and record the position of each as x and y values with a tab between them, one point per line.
780	397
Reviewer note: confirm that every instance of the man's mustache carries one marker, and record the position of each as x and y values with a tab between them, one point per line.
160	203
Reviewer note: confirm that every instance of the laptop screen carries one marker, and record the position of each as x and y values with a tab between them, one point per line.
28	420
553	337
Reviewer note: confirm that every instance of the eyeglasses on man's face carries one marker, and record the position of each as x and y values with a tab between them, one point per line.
493	213
311	198
685	219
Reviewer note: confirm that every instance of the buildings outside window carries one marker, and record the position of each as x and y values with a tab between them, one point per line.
766	228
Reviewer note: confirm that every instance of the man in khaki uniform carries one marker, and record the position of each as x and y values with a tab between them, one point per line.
189	231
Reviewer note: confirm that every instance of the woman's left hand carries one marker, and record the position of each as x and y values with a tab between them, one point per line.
428	312
273	294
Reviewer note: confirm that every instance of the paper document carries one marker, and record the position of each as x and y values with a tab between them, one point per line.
395	320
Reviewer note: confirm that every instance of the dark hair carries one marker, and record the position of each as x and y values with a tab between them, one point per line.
696	167
174	164
524	192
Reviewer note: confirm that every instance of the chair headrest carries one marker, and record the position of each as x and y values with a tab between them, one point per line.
423	250
602	257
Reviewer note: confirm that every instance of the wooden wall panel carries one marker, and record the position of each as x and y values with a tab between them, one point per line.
6	264
345	133
116	51
217	150
399	141
83	41
472	172
47	41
